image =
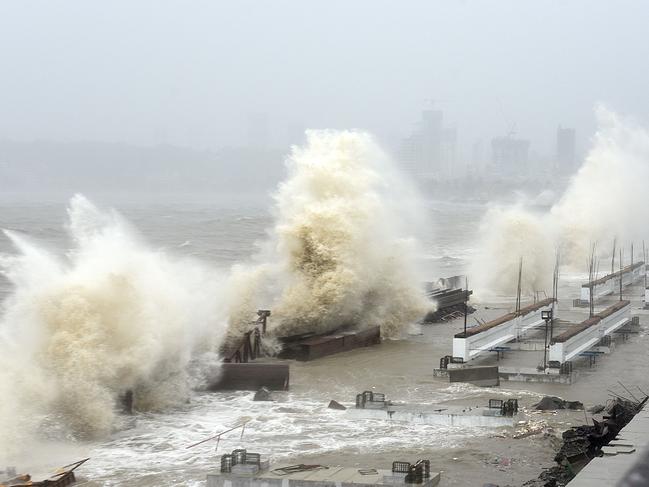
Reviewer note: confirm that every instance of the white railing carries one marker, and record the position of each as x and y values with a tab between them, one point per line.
610	284
497	332
565	350
600	289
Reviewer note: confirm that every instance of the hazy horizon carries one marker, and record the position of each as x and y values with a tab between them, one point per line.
206	75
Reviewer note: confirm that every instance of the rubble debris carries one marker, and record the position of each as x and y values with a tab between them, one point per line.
336	405
552	403
583	443
263	394
598	408
528	431
451	298
63	477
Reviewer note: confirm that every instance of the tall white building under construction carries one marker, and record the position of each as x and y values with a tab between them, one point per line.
510	155
431	149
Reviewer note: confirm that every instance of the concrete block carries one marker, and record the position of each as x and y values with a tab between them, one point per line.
251	377
480	376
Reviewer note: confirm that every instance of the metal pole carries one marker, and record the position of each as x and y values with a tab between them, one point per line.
644	259
545	348
466	299
621	275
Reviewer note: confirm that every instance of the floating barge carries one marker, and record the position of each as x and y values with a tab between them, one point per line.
371	405
243	469
310	347
450	297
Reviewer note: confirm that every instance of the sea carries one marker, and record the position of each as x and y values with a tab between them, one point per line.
151	448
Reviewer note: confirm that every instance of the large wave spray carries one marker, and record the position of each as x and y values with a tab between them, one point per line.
336	256
110	316
604	200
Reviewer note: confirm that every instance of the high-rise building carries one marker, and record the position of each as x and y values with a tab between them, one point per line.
510	155
431	149
565	157
449	152
478	158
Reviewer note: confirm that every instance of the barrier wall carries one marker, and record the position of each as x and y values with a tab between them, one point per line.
250	377
585	335
495	333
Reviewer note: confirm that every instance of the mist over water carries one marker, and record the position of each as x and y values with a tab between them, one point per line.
340	252
604	200
111	314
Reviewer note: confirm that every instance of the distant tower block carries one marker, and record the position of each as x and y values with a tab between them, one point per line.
565	157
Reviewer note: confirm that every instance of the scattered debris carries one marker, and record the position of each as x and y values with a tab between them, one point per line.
263	394
336	405
297	468
528	431
451	297
240	424
63	476
598	408
583	443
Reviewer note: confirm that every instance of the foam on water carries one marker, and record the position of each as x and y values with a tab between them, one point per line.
82	328
604	199
340	252
294	427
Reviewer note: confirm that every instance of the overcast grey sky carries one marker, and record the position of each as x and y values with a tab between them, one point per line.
191	72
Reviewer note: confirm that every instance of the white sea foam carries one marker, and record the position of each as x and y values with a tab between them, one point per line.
604	200
340	252
111	315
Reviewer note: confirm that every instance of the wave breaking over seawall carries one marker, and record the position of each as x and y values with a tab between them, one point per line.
340	253
109	316
604	200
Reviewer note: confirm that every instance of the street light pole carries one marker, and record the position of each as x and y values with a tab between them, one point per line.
547	317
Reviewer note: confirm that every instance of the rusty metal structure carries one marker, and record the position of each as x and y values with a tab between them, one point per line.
310	346
63	477
249	348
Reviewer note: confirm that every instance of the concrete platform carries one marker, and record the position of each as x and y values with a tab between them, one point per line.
329	476
530	374
619	456
483	376
439	414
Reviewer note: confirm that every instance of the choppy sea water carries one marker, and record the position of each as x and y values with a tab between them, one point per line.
151	449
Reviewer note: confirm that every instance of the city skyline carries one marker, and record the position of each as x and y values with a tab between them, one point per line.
190	76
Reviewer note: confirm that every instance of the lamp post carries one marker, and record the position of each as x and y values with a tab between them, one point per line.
547	317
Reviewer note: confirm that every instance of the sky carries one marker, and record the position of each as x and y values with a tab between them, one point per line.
194	73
